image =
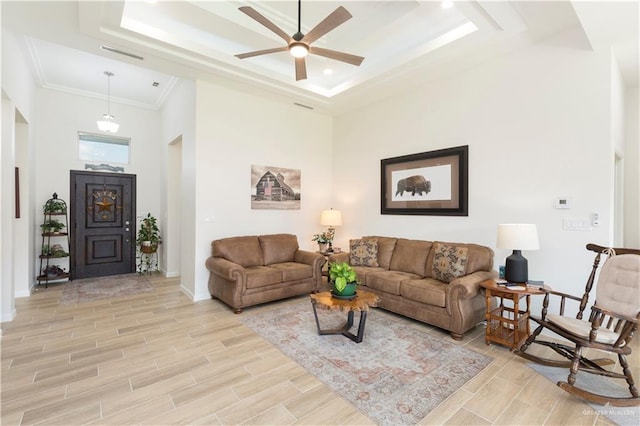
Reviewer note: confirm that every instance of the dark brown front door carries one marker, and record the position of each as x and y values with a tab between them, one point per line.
103	212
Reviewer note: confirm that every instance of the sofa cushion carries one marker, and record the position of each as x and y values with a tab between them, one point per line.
389	281
245	251
479	258
292	271
386	245
363	252
278	248
261	276
410	256
427	290
449	262
362	272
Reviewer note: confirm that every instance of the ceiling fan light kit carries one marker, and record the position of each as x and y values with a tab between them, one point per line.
299	45
298	49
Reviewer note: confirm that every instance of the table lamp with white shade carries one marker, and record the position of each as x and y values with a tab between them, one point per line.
517	237
331	218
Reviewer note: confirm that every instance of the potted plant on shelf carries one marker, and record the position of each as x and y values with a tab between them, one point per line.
343	279
323	239
148	235
46	250
54	206
53	271
52	226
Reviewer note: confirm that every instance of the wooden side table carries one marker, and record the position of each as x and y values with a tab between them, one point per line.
325	267
508	323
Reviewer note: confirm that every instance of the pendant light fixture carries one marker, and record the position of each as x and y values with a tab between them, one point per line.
107	124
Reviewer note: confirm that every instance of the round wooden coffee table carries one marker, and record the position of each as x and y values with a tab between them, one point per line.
361	303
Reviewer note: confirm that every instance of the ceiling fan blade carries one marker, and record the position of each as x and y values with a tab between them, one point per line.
338	56
336	18
301	69
252	13
262	52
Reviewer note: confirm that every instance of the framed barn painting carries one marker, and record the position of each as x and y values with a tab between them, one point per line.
275	188
429	183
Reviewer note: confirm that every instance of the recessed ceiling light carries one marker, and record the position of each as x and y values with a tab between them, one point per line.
327	71
446	4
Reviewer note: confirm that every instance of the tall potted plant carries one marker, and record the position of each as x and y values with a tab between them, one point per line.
148	235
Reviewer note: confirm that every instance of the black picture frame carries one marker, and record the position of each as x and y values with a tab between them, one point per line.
429	183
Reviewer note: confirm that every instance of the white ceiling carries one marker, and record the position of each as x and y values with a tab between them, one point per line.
404	43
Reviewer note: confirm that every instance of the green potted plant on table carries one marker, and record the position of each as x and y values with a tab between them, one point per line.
344	280
323	239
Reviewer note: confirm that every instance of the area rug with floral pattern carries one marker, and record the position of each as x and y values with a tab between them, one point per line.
396	375
90	289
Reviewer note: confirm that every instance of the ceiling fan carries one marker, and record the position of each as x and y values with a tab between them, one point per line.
299	45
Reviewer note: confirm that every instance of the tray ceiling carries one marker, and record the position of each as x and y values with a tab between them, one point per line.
405	43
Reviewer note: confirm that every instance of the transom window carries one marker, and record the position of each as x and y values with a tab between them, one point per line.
103	149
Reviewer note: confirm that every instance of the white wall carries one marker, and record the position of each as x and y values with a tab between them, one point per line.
537	126
632	169
617	128
60	116
18	101
24	231
235	130
178	123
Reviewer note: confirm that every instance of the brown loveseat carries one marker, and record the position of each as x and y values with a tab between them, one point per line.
433	282
246	271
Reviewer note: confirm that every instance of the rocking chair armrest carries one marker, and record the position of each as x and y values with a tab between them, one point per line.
615	315
563	298
563	295
624	326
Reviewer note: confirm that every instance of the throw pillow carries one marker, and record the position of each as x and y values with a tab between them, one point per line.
449	262
363	252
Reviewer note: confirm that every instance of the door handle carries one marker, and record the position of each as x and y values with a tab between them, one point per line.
126	229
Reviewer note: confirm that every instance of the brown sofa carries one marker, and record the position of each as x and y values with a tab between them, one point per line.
433	282
245	271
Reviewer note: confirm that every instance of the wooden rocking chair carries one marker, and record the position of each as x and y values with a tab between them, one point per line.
613	321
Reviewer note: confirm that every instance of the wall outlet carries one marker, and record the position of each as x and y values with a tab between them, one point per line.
595	219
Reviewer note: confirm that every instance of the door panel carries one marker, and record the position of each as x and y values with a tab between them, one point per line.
102	223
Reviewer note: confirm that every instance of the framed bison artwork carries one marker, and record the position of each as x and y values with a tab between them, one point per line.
428	183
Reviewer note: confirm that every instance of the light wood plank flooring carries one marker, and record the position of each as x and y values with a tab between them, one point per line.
160	359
